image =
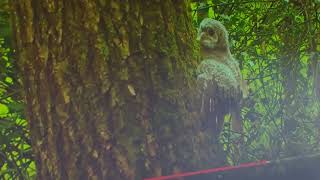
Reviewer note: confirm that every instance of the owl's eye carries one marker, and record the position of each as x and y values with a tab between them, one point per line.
211	32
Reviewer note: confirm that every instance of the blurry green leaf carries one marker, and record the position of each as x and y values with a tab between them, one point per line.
8	80
226	17
5	124
3	109
15	106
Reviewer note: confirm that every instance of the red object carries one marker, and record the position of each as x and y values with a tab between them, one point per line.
214	170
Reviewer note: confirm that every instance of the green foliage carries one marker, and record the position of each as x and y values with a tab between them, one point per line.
274	42
16	159
5	29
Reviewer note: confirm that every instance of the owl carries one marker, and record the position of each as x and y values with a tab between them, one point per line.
219	78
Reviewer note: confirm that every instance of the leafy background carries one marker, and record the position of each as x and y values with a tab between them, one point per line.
277	45
16	161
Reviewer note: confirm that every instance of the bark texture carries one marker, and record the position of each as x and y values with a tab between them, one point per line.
109	88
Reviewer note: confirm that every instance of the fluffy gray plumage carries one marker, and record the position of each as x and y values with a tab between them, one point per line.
219	78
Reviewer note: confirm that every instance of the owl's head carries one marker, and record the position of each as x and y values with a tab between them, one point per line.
212	35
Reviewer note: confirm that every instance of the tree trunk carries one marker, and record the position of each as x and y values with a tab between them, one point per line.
109	88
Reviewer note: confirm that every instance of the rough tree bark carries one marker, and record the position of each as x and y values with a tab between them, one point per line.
109	88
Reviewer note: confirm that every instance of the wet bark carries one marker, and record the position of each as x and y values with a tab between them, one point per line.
109	88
